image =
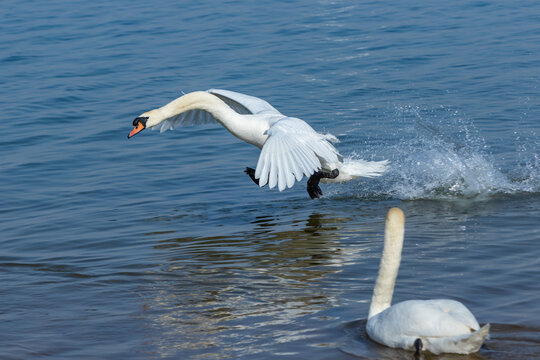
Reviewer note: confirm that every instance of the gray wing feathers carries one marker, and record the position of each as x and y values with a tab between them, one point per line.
192	117
236	106
244	104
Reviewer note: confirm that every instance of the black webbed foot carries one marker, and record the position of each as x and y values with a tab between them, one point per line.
251	174
313	188
418	346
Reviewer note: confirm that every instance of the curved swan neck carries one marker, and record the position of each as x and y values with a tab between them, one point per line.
390	260
248	128
200	100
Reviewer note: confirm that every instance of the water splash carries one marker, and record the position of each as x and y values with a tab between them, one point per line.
437	154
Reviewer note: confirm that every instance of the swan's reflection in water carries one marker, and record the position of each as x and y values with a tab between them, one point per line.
249	285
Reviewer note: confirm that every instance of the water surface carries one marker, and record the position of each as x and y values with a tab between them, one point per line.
161	247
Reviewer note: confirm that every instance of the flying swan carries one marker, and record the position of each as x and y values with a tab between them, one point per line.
438	326
290	148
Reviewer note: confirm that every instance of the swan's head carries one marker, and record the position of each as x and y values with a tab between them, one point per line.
395	217
145	120
395	226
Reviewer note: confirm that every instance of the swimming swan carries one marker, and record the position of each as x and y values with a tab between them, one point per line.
440	326
290	148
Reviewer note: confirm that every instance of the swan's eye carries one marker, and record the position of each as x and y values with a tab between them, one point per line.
141	120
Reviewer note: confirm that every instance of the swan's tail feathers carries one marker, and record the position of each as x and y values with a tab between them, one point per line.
474	341
463	344
362	168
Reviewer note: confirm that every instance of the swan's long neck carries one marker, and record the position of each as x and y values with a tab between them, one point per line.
390	260
250	130
200	100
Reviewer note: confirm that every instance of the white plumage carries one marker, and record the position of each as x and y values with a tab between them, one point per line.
443	326
290	148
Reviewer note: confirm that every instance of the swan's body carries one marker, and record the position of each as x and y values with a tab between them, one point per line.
443	326
290	148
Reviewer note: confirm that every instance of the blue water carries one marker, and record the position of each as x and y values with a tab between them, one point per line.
161	247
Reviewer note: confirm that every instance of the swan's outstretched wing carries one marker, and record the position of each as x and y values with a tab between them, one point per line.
292	150
244	104
192	117
241	103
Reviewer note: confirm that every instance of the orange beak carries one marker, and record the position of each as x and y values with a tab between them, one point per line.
137	129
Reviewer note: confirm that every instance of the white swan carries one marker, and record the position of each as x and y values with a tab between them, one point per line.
440	326
290	148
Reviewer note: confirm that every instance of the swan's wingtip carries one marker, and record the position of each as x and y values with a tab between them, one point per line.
484	330
331	138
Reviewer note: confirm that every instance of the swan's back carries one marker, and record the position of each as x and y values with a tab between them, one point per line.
443	326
